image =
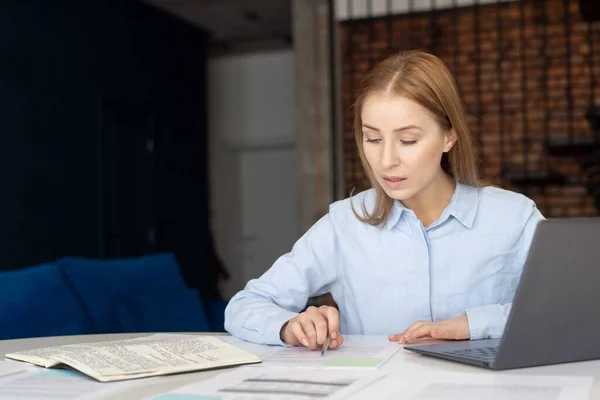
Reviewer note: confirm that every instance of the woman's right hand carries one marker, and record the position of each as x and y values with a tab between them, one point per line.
311	327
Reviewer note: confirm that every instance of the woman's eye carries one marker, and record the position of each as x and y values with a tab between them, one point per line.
408	142
373	140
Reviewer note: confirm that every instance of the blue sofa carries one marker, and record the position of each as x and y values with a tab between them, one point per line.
83	296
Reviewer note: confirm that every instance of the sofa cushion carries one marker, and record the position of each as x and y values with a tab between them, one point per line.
171	312
113	289
37	301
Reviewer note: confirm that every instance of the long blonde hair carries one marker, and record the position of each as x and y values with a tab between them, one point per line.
425	79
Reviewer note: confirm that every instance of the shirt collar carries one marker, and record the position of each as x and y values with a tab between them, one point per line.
395	214
462	206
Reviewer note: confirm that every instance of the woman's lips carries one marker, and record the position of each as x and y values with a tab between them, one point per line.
393	182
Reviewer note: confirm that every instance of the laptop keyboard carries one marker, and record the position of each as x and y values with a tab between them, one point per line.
482	353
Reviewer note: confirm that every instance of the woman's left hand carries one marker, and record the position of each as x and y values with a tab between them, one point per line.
454	329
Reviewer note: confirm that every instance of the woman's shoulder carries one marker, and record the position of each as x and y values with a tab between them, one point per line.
495	196
362	203
504	204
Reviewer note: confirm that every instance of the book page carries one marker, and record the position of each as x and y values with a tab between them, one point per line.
44	356
144	357
277	384
141	357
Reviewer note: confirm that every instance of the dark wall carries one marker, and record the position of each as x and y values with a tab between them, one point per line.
103	116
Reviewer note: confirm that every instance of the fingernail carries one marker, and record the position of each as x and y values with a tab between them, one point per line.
305	342
334	343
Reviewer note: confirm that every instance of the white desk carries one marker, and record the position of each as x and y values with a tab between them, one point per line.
408	364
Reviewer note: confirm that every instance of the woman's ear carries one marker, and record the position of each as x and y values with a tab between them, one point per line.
450	140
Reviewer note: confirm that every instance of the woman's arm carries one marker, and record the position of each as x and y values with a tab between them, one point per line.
258	312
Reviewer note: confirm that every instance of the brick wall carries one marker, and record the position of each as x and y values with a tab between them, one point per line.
514	82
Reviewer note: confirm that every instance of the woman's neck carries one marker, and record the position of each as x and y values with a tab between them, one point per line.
430	202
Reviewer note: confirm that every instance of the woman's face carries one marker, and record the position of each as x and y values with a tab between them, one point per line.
403	144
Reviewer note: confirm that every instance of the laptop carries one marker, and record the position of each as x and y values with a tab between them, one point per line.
555	315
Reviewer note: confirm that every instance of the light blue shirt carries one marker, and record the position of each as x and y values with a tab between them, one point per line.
386	278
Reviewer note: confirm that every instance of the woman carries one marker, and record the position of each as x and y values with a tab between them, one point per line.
429	251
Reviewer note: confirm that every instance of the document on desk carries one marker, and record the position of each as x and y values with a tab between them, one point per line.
277	383
356	352
11	368
36	383
140	357
489	385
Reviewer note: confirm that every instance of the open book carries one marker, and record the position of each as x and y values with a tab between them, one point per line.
140	357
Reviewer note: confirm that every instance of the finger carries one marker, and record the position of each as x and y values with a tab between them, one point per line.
333	320
298	331
416	326
311	333
319	324
423	331
321	328
337	342
398	336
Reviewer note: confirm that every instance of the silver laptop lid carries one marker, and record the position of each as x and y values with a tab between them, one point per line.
555	315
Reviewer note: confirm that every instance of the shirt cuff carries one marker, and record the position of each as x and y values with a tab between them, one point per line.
274	324
486	322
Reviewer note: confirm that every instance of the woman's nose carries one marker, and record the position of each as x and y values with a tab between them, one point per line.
389	158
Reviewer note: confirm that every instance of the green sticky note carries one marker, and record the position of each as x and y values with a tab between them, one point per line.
353	362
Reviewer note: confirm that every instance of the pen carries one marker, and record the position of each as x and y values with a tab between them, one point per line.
325	345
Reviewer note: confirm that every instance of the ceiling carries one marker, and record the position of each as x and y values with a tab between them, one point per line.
236	25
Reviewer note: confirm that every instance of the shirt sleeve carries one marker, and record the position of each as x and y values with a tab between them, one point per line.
488	321
258	312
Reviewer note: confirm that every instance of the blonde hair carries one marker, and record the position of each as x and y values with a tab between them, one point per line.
425	79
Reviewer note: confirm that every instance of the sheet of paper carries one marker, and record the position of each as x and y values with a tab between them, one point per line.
489	385
356	352
39	383
277	383
11	368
